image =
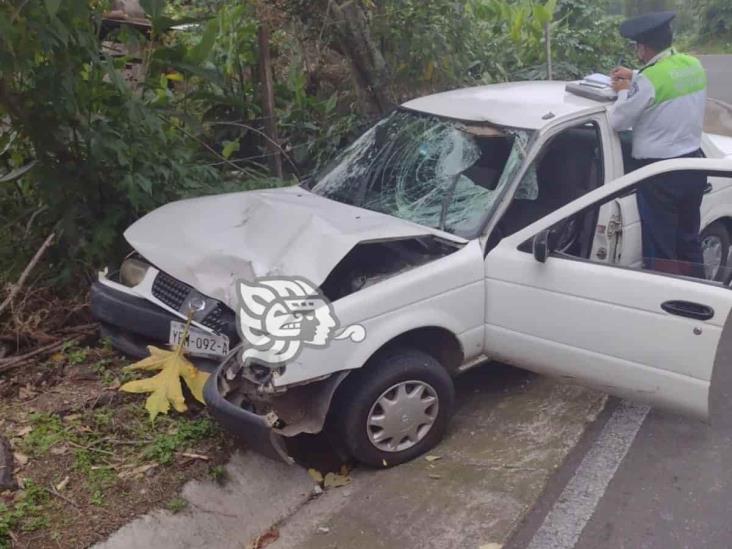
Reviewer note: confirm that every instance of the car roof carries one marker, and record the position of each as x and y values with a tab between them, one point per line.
513	104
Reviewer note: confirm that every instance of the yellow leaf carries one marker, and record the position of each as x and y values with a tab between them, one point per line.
175	76
316	475
195	379
164	387
334	480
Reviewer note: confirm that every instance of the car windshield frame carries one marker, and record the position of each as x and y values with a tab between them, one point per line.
390	157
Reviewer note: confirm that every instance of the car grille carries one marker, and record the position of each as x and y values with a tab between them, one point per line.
174	293
170	291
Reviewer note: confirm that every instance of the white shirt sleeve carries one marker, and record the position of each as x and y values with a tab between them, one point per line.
631	103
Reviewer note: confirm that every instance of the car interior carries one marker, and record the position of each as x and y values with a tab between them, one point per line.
569	166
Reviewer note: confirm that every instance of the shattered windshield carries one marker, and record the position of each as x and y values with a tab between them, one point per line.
436	172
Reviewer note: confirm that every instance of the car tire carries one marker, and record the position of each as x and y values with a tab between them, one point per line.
422	393
715	241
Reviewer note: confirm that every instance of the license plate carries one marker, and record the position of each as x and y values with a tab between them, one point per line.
199	342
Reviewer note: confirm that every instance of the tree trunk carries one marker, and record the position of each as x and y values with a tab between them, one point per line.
370	72
267	93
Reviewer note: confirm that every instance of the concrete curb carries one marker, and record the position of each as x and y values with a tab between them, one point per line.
258	493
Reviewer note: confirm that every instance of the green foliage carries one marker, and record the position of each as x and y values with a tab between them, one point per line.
176	505
83	152
102	153
26	513
218	474
185	431
48	429
441	43
715	20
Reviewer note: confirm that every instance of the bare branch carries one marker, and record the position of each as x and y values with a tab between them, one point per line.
13	362
26	272
259	132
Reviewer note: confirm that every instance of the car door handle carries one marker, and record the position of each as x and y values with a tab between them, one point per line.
708	188
688	309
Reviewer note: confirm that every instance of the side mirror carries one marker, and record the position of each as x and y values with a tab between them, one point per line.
540	246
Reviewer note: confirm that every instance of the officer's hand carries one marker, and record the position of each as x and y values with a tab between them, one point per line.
619	84
621	73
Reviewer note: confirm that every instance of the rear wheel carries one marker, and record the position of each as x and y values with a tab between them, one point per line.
395	408
715	243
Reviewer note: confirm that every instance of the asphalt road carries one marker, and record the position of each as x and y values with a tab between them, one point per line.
647	479
719	73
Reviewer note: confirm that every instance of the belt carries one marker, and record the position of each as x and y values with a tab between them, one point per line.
639	162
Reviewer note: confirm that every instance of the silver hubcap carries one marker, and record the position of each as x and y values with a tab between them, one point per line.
402	416
712	252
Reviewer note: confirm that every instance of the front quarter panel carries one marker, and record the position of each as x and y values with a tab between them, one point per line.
446	293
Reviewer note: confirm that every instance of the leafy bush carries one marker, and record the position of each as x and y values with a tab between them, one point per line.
100	154
86	154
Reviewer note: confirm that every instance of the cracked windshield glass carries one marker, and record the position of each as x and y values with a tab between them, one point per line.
436	172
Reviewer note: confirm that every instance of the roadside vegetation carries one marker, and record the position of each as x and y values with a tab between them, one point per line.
87	458
110	108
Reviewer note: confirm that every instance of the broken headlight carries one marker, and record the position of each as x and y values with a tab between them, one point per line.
132	272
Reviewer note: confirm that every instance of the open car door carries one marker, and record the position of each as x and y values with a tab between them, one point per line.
641	334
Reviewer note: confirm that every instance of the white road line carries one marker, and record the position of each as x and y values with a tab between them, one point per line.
572	511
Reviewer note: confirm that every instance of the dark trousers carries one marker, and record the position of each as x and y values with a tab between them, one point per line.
668	205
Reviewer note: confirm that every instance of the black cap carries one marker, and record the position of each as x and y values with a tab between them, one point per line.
646	26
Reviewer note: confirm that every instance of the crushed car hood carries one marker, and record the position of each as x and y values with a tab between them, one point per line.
211	242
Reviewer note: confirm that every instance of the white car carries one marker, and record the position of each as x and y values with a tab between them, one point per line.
490	223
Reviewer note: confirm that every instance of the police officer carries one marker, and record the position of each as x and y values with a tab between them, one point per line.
663	103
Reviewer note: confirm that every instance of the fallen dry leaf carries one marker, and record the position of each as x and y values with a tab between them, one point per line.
26	393
262	541
491	546
164	387
71	417
195	456
316	475
116	384
334	480
59	450
20	459
137	471
434	476
61	485
24	431
432	458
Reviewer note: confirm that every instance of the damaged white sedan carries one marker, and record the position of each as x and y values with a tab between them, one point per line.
492	223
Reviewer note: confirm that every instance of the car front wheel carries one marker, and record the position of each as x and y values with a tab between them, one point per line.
396	408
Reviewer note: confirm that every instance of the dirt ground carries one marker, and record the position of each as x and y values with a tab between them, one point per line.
86	457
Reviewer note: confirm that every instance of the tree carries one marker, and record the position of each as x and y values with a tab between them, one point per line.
349	33
639	7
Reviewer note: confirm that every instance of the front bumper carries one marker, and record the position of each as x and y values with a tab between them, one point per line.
132	323
254	430
263	419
